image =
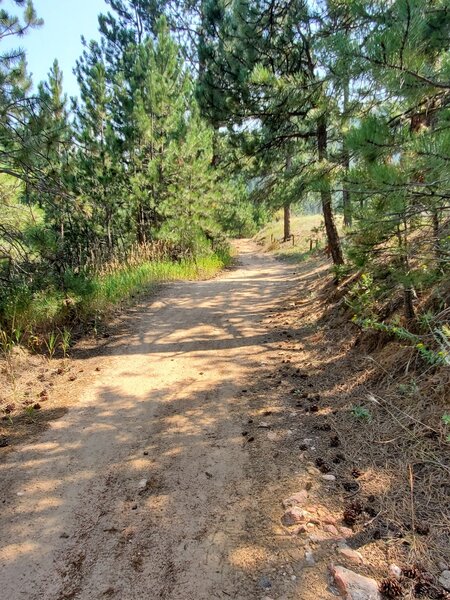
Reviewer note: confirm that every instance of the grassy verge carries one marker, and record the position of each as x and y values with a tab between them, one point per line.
35	318
121	284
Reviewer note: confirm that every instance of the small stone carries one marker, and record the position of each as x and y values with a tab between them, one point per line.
296	499
351	555
293	577
331	529
329	477
134	507
265	583
272	436
444	580
318	537
353	586
37	406
395	571
264	425
294	515
329	519
64	536
142	484
309	559
145	453
346	531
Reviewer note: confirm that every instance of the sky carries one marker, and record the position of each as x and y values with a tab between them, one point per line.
65	21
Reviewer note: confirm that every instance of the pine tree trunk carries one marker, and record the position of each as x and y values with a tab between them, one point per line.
287	221
141	237
334	244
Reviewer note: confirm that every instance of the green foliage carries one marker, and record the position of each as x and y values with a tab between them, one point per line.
430	356
361	413
408	389
361	297
51	342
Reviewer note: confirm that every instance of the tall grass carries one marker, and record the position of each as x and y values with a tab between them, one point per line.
121	283
32	317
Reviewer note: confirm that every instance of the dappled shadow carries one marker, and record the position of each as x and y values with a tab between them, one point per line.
137	487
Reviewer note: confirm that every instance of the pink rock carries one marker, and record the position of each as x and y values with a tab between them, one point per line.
329	520
297	499
331	529
346	531
294	515
353	586
351	555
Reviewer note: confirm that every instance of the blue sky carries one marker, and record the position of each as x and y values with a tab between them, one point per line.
65	21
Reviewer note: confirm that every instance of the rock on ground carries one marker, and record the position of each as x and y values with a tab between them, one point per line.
353	586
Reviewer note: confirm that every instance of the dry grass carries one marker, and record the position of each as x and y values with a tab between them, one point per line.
308	232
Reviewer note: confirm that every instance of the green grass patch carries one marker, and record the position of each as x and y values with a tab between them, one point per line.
28	316
121	284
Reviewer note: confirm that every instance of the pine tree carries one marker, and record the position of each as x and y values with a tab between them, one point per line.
258	62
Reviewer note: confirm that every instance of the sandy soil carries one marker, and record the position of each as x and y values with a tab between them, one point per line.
144	488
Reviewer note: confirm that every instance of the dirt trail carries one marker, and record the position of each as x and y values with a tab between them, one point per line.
143	489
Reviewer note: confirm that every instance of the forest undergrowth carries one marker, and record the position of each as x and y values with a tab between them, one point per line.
376	404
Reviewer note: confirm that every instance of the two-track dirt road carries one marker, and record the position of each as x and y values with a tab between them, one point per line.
140	491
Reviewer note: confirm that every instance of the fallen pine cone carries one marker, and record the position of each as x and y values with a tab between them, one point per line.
412	572
350	517
422	529
322	465
350	486
424	587
390	588
356	506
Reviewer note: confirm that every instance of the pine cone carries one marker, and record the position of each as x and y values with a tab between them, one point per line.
322	465
391	588
350	486
422	528
356	506
334	441
350	516
424	587
412	572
